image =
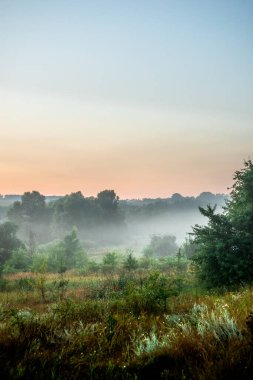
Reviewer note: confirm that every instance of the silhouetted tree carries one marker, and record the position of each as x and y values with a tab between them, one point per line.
74	210
33	204
32	216
107	201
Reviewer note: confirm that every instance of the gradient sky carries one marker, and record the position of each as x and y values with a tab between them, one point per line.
144	97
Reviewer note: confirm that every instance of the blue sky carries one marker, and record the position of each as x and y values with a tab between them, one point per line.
146	97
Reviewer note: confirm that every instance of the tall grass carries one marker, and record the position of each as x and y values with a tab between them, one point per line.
135	326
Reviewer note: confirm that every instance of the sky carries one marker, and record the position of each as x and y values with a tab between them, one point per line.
148	98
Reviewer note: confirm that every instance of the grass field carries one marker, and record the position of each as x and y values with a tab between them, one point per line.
126	325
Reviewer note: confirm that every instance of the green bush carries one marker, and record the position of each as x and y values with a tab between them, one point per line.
20	261
25	284
110	262
130	263
61	255
151	294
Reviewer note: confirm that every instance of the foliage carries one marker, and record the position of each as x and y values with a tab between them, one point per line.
33	204
131	262
26	284
32	207
92	266
20	260
8	240
62	255
161	246
152	293
87	213
224	248
71	210
33	217
188	247
72	249
110	261
71	335
107	201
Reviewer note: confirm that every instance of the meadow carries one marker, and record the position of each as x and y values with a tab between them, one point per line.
123	324
173	313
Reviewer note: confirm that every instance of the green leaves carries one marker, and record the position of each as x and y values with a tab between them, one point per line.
224	248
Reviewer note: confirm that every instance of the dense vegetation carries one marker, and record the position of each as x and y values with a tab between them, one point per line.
132	324
170	312
225	245
100	220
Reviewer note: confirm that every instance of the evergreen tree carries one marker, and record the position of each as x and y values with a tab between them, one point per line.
224	248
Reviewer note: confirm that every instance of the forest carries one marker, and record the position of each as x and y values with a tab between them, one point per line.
100	223
103	288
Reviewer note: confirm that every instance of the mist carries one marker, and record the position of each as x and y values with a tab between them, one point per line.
105	222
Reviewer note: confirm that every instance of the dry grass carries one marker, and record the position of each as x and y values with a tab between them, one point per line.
77	335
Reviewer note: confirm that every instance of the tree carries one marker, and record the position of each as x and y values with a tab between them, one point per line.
161	246
188	247
62	255
33	204
8	241
71	209
130	263
20	260
32	215
72	249
110	261
224	248
107	201
15	213
74	210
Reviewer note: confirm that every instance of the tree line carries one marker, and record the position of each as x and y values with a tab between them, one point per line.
54	219
222	250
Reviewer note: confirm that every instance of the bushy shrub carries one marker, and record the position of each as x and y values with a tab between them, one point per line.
150	294
25	284
110	262
130	263
20	260
61	255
